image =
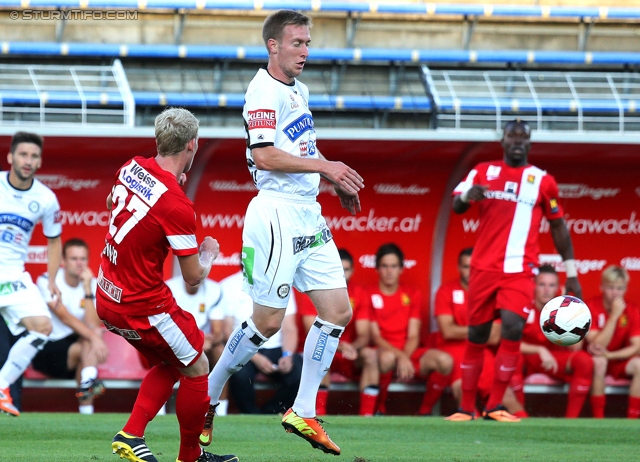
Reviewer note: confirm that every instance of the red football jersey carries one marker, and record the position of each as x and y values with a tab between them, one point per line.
533	334
150	215
393	312
628	324
510	216
451	299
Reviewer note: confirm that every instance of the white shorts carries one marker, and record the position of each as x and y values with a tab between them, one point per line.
21	299
285	242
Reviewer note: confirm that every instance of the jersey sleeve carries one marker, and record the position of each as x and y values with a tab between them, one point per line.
416	305
51	218
549	195
262	111
466	183
180	228
443	302
360	303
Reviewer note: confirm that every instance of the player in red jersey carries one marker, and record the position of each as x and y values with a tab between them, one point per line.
568	364
150	214
355	358
512	197
397	317
614	340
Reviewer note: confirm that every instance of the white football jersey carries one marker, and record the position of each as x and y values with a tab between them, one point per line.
204	305
277	114
19	213
72	298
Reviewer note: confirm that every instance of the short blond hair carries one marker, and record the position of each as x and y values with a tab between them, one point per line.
615	273
175	127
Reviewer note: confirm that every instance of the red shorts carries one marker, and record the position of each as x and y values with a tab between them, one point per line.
171	337
490	291
345	367
616	368
533	364
415	358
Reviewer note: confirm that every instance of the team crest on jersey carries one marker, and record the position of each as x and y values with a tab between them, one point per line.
303	148
531	179
553	205
493	172
34	207
283	290
57	217
261	118
405	299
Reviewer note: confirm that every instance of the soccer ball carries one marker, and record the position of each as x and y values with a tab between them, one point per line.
565	320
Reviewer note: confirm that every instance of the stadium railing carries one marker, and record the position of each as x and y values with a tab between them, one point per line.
353	55
430	9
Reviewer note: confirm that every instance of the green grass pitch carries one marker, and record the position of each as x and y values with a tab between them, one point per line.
67	437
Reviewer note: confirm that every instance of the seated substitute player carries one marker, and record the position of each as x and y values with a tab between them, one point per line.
75	348
356	359
396	315
451	313
568	364
614	340
276	358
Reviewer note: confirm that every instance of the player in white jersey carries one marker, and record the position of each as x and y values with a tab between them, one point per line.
286	240
75	348
24	201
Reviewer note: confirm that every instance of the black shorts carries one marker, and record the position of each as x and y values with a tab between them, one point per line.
52	360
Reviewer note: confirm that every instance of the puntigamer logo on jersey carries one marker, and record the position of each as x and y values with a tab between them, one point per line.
262	118
142	183
296	128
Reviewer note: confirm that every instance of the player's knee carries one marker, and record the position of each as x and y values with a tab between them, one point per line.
369	355
200	367
599	366
40	324
582	363
445	363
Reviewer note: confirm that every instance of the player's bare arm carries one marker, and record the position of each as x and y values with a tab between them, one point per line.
54	257
562	242
462	202
195	268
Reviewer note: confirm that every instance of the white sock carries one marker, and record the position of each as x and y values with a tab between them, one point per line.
238	350
223	407
319	349
87	374
20	356
86	409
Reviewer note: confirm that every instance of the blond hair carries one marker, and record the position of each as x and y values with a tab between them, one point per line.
175	127
615	273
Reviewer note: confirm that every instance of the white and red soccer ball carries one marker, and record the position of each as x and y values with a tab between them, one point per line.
565	320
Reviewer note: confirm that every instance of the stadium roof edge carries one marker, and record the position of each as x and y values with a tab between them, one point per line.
542	136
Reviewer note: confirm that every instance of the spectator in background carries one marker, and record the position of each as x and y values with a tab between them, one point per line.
568	364
512	197
75	348
277	358
150	215
356	359
614	340
24	201
396	316
203	302
451	313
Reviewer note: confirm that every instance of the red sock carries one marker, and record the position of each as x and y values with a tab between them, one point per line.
597	406
580	383
368	398
156	388
633	409
436	384
522	414
385	381
471	366
321	401
192	404
505	365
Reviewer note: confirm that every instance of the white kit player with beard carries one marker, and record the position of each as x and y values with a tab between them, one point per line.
24	202
286	241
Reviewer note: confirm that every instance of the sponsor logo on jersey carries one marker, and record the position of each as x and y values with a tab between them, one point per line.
509	196
294	103
321	344
16	220
295	129
283	290
511	187
320	238
493	172
262	118
113	291
129	334
142	183
553	205
7	288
